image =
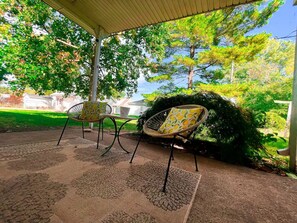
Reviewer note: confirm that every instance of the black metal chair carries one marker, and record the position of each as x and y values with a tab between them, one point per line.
152	128
75	113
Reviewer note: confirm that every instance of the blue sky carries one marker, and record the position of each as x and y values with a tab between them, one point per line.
282	23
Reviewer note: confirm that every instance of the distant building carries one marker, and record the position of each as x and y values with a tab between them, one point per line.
55	101
37	102
8	100
138	106
58	102
135	107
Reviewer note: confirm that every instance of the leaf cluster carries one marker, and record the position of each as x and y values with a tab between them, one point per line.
46	51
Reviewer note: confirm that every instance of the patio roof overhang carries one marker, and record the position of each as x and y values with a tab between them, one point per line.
100	17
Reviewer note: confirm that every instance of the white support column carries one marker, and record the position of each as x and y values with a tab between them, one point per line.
96	68
293	124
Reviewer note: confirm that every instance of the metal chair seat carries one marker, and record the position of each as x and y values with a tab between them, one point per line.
152	125
74	113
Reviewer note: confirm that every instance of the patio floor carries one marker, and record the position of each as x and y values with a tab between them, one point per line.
226	193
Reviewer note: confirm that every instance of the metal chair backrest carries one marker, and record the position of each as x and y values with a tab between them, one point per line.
155	122
75	111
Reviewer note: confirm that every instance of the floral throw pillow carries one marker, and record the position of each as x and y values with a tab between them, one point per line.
91	110
179	119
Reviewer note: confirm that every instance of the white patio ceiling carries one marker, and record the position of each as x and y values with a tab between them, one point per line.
112	16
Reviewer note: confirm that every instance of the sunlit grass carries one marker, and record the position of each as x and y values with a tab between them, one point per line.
271	149
21	120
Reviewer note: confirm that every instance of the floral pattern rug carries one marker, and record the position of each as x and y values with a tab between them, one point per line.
42	182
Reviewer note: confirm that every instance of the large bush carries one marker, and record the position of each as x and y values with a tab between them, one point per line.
232	128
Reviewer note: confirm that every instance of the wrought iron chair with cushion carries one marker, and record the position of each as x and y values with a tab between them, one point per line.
178	122
87	112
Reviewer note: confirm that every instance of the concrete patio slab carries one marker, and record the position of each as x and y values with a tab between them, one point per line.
226	193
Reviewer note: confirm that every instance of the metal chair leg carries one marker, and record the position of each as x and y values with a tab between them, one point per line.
194	152
101	122
168	167
63	131
83	129
136	146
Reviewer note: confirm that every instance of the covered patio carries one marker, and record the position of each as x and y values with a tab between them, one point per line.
103	18
226	193
220	192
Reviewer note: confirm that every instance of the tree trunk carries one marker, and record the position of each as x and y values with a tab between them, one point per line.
190	78
191	68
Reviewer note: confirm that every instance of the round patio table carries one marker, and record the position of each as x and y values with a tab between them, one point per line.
117	130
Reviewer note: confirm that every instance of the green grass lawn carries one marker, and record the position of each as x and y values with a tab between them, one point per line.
22	120
272	147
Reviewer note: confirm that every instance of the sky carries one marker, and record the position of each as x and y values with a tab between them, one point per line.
283	23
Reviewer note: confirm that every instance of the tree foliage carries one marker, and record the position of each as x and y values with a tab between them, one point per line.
214	40
46	51
260	98
274	63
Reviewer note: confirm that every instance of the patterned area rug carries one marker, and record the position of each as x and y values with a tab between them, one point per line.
41	182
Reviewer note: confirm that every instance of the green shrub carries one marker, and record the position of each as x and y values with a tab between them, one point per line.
234	129
275	121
